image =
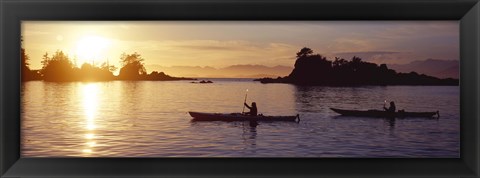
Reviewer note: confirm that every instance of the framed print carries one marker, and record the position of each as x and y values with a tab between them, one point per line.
171	94
251	88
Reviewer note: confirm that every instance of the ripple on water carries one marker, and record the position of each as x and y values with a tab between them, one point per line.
149	119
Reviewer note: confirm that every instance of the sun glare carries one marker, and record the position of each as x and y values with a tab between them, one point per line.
92	49
90	105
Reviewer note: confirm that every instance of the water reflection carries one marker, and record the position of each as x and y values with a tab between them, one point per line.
306	97
150	119
321	98
250	134
390	122
90	108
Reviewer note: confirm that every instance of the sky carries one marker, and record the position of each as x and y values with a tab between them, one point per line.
225	43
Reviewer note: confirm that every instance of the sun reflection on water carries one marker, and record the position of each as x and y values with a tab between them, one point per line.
89	136
90	105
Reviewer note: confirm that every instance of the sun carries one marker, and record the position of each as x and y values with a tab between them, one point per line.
92	49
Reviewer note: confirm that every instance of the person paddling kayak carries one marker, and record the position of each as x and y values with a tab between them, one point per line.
392	107
253	109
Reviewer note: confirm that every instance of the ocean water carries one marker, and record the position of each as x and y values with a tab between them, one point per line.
150	119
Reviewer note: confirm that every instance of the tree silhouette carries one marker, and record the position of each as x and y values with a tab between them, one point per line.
24	62
58	68
132	67
27	74
89	72
106	66
23	56
304	52
339	62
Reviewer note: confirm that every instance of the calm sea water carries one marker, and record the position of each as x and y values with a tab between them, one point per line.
150	119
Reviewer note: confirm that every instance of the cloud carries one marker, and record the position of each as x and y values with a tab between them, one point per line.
206	47
350	44
368	53
211	45
211	52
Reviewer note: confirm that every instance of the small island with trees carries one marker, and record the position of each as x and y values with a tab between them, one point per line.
315	69
60	68
309	69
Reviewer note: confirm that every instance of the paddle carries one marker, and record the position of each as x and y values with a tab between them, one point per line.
245	101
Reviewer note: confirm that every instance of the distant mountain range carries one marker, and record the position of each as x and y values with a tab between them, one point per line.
233	71
433	67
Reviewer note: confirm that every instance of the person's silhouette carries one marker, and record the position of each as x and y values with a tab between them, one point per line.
253	109
392	108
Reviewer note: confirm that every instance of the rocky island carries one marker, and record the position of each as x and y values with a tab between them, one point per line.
315	69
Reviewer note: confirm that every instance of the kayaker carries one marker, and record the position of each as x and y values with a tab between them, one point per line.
253	109
392	107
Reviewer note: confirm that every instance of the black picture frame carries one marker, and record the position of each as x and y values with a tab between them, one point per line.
12	12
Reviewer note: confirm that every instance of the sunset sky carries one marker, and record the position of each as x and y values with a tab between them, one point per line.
223	43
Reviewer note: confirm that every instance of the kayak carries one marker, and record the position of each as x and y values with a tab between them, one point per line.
201	116
385	114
